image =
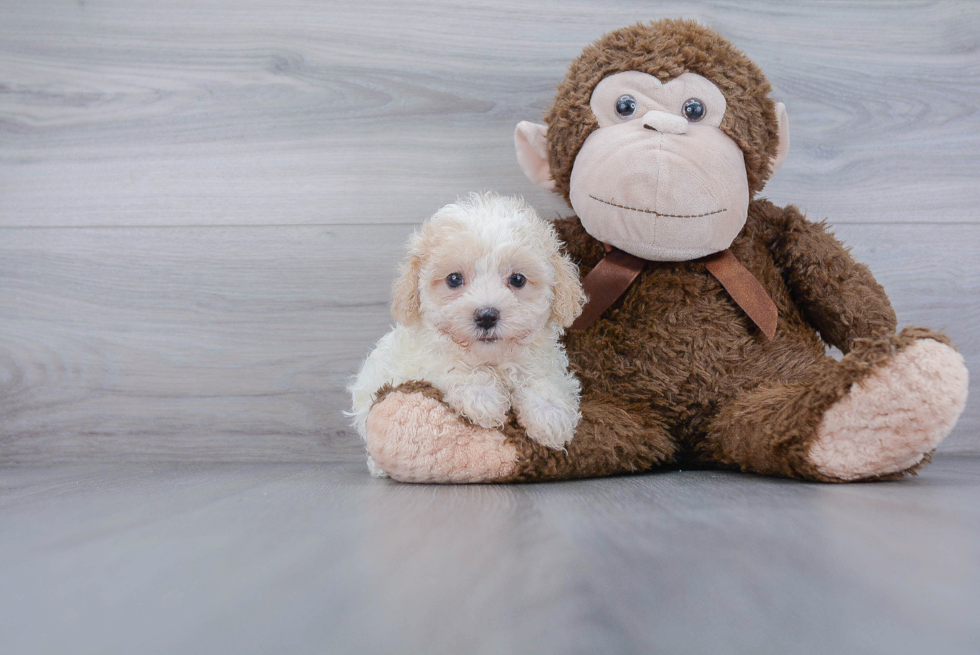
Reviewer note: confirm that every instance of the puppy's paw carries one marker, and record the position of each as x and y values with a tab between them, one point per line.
549	421
374	469
485	405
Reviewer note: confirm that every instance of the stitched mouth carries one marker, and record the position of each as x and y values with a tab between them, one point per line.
656	213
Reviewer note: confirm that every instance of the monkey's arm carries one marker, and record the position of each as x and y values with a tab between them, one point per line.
839	295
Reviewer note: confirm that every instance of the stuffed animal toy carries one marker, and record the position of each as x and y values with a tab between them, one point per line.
481	302
703	343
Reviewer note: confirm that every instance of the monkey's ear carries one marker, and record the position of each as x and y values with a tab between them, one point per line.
532	153
406	305
783	146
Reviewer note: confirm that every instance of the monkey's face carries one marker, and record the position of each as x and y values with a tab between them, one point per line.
664	171
659	178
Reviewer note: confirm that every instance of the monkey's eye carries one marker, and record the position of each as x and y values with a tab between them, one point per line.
694	110
626	106
517	280
454	280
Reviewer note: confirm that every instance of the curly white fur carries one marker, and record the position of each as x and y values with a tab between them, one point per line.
482	373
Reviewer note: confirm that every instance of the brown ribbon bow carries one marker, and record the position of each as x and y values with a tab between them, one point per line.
617	270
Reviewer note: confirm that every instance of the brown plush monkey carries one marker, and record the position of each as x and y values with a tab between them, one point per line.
660	137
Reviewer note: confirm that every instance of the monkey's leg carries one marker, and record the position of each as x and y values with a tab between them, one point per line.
875	414
608	440
414	437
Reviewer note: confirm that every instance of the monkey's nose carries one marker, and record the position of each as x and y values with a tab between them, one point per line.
661	121
486	317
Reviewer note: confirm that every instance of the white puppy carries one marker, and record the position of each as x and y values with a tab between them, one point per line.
482	300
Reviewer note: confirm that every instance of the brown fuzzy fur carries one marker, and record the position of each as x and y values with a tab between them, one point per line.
412	386
674	373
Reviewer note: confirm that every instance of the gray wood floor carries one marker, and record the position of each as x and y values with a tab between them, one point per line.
320	558
202	204
201	208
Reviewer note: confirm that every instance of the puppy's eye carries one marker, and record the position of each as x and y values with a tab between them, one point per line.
694	110
626	106
517	280
454	280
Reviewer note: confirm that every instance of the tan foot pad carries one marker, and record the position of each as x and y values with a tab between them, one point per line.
414	438
889	421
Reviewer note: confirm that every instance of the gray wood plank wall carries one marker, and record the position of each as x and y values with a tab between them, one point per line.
202	203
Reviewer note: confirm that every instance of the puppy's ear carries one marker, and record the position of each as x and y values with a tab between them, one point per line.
406	303
569	296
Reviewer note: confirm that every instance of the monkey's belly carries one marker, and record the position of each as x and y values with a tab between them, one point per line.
677	346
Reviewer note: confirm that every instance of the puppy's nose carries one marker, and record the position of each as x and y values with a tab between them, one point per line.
486	317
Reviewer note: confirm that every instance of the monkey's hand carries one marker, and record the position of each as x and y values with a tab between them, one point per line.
413	436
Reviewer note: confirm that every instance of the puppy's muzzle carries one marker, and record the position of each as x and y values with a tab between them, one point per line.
486	317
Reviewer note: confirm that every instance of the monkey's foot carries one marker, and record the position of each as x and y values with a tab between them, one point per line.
414	437
891	420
